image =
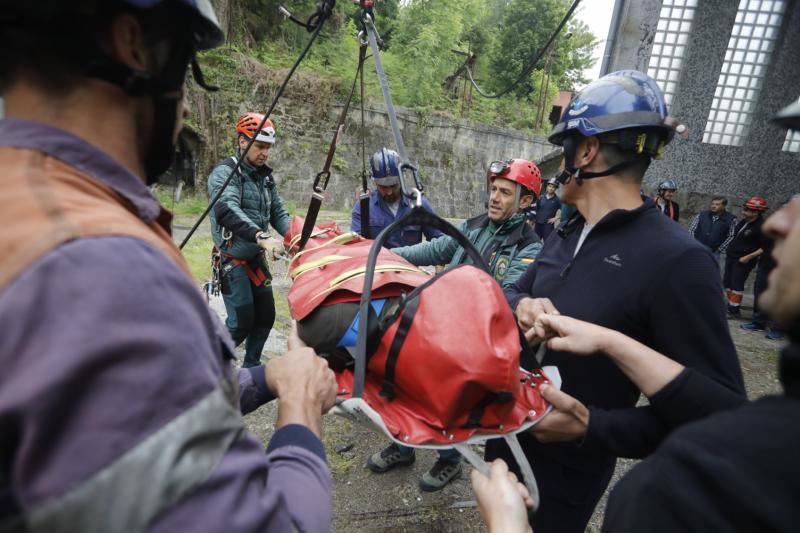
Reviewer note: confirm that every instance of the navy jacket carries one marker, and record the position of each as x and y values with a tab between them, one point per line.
381	216
546	208
712	232
642	275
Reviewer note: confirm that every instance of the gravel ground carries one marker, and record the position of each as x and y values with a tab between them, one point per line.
392	502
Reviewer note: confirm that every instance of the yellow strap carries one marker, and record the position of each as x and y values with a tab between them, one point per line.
297	238
358	272
322	261
344	238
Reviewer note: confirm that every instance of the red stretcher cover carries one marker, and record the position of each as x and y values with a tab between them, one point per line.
456	375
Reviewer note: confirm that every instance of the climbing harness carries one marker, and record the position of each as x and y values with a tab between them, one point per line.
314	24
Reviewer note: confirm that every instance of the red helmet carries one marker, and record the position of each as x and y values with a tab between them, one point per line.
756	203
520	171
248	125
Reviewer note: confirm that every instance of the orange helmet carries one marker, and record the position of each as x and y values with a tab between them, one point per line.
520	171
248	126
756	203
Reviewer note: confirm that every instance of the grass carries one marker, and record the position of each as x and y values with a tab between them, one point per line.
192	202
198	254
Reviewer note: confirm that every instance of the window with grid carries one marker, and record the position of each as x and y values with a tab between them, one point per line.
792	142
669	44
746	59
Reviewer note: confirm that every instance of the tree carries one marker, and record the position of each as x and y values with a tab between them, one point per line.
526	27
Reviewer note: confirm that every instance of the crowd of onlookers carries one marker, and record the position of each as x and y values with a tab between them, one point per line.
737	242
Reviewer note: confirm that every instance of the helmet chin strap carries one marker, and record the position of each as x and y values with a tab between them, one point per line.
570	147
166	92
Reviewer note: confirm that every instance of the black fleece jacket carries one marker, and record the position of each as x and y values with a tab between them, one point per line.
734	471
638	273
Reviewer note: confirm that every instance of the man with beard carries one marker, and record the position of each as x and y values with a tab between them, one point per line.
240	225
119	405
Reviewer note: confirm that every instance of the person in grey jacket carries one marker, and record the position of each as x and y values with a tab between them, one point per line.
240	223
120	409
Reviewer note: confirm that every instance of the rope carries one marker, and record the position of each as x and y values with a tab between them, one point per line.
532	64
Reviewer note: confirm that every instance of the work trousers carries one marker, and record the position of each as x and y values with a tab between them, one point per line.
568	495
734	278
447	455
759	318
251	311
543	230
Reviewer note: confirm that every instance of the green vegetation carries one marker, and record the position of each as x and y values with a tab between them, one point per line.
427	42
191	203
198	254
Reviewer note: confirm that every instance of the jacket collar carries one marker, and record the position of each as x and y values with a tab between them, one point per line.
84	157
514	228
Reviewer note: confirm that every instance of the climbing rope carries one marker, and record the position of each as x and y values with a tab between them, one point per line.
531	64
323	177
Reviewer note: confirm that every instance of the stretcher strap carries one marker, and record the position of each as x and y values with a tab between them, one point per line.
524	466
312	265
409	311
417	215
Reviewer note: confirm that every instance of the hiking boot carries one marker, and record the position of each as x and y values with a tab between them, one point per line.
752	326
442	473
390	457
774	335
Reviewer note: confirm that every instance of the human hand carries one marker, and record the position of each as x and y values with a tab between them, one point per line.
305	386
576	336
528	311
744	259
502	499
567	421
554	220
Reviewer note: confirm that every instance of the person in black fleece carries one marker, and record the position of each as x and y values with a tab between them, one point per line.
621	264
738	470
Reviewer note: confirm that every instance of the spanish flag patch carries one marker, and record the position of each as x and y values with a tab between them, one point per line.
527	260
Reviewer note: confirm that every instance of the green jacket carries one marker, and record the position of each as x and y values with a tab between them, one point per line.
508	249
249	204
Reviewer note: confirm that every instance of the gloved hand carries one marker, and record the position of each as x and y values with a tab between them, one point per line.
273	247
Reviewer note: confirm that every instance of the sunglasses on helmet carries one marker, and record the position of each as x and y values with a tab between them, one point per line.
499	167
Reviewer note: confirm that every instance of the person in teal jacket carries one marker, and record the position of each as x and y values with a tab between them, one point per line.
508	245
240	224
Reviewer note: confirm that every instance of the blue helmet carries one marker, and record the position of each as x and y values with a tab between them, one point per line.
384	167
623	100
667	185
625	108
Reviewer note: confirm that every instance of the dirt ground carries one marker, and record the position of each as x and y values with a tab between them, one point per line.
392	502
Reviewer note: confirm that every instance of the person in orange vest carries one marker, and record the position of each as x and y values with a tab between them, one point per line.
742	249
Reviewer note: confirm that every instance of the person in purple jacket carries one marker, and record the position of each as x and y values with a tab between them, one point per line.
120	409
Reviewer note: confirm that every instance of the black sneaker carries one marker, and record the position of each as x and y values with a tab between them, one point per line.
443	472
390	457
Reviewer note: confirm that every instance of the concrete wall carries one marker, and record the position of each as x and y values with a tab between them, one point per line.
452	156
759	166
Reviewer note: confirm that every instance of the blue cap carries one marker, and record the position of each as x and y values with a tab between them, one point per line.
622	100
384	167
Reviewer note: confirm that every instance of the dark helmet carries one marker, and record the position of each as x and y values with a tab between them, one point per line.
384	167
625	108
667	185
188	26
205	29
